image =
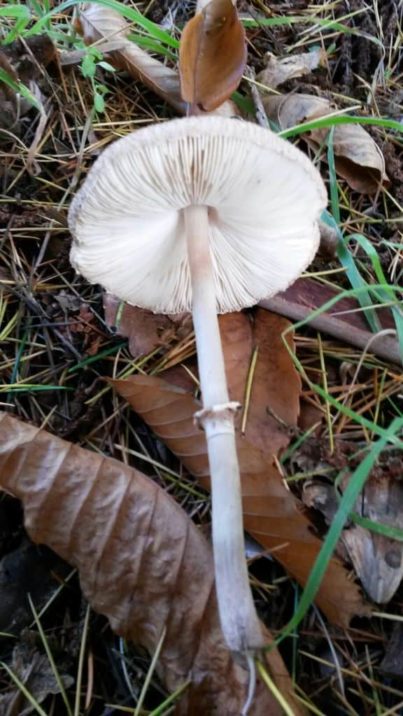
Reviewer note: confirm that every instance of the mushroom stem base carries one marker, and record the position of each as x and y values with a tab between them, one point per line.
239	621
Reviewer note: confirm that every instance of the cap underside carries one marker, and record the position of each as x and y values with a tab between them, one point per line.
264	198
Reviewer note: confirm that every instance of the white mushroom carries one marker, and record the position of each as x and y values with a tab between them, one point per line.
211	215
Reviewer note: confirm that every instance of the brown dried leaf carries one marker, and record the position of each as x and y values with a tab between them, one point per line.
275	389
36	673
145	330
212	55
281	69
109	520
358	158
377	560
272	515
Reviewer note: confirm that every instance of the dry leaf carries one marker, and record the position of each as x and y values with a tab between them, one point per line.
275	387
98	23
281	69
145	330
109	520
34	670
377	560
212	55
358	158
272	515
329	241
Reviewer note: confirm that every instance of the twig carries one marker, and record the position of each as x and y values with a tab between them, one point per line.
383	346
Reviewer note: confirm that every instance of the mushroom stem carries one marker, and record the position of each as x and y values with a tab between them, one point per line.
238	617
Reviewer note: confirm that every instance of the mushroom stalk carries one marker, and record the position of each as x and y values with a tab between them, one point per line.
238	617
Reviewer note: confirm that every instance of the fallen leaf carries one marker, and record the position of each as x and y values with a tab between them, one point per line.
311	415
145	330
212	55
358	158
378	560
281	69
110	30
329	241
109	520
272	515
35	672
84	324
275	384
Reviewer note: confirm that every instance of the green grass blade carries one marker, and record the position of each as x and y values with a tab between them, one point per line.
161	709
346	259
31	387
132	15
19	12
345	256
334	190
332	121
379	528
151	45
97	357
309	20
385	294
19	87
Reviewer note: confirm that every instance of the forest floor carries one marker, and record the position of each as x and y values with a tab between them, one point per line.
57	346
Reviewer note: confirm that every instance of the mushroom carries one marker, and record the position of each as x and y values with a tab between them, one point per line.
203	214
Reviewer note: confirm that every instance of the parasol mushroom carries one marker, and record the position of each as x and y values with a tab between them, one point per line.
211	215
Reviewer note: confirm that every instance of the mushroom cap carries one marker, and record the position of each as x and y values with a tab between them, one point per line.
264	198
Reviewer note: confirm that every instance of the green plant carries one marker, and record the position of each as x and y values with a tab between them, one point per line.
92	60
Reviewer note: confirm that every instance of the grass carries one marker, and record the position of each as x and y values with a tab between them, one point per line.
333	121
350	495
19	87
53	361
